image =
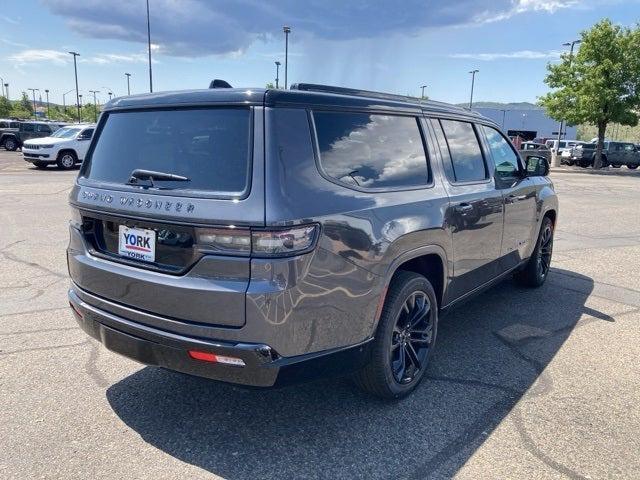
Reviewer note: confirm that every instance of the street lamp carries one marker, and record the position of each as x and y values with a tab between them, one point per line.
6	89
47	92
2	85
109	91
64	103
128	75
79	104
555	161
277	73
33	91
149	46
422	94
473	80
95	105
75	69
287	31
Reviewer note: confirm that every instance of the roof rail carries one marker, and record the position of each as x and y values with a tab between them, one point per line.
313	87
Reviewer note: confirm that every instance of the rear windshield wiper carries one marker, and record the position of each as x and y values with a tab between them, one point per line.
151	176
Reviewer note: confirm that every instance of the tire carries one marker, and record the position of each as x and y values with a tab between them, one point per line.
11	144
66	160
400	354
536	270
632	167
40	164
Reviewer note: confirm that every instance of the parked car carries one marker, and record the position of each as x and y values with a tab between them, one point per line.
614	154
66	147
528	149
564	145
8	129
12	140
264	237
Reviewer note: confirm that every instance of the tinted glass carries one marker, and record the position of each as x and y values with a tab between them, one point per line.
504	157
87	134
208	146
444	150
466	156
4	124
44	128
66	132
371	151
28	127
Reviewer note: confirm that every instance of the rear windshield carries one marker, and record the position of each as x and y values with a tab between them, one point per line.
208	146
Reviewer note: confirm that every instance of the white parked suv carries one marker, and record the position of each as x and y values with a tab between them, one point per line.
66	147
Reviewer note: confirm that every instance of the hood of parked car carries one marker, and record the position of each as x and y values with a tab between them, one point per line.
47	141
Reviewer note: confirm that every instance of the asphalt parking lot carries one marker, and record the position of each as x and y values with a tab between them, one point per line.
525	383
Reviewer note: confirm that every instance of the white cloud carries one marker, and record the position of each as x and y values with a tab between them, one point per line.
12	21
11	43
107	58
523	6
37	56
519	55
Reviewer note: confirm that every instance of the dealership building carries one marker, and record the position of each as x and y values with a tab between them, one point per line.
527	123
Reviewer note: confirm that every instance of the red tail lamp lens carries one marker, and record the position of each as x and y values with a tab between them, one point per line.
213	358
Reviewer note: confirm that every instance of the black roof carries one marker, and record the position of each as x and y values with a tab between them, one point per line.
300	95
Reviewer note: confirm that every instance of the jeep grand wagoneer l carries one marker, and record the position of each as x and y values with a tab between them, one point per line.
263	237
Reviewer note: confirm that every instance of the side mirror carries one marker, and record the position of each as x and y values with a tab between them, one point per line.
537	166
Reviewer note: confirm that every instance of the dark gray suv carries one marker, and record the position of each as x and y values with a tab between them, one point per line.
264	237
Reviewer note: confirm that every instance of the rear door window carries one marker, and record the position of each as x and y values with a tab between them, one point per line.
465	152
371	151
209	146
28	127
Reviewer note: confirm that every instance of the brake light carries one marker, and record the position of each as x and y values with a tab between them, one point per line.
283	242
259	243
214	358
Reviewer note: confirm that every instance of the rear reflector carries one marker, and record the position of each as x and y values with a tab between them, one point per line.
213	358
76	310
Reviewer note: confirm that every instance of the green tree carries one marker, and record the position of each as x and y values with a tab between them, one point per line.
5	107
600	84
270	85
25	103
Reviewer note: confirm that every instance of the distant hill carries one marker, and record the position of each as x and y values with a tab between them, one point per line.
503	106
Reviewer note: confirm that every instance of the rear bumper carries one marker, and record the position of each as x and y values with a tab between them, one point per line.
263	366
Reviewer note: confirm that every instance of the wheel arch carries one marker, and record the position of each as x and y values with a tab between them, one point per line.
67	150
429	261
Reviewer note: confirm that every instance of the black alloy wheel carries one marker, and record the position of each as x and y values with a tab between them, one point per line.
545	250
412	337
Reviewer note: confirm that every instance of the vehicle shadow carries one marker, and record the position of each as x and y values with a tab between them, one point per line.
490	352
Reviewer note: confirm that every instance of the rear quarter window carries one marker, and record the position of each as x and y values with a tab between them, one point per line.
371	151
209	146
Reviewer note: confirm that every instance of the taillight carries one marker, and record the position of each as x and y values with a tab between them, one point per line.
283	242
258	243
76	219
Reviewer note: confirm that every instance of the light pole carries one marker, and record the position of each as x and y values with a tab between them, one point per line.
555	160
128	75
64	103
75	69
473	81
422	94
109	92
287	31
2	85
277	73
47	92
149	45
79	104
95	105
33	91
6	89
504	113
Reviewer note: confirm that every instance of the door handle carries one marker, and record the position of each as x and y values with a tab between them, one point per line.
516	198
463	208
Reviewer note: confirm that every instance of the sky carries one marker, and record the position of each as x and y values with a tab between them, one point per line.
392	46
